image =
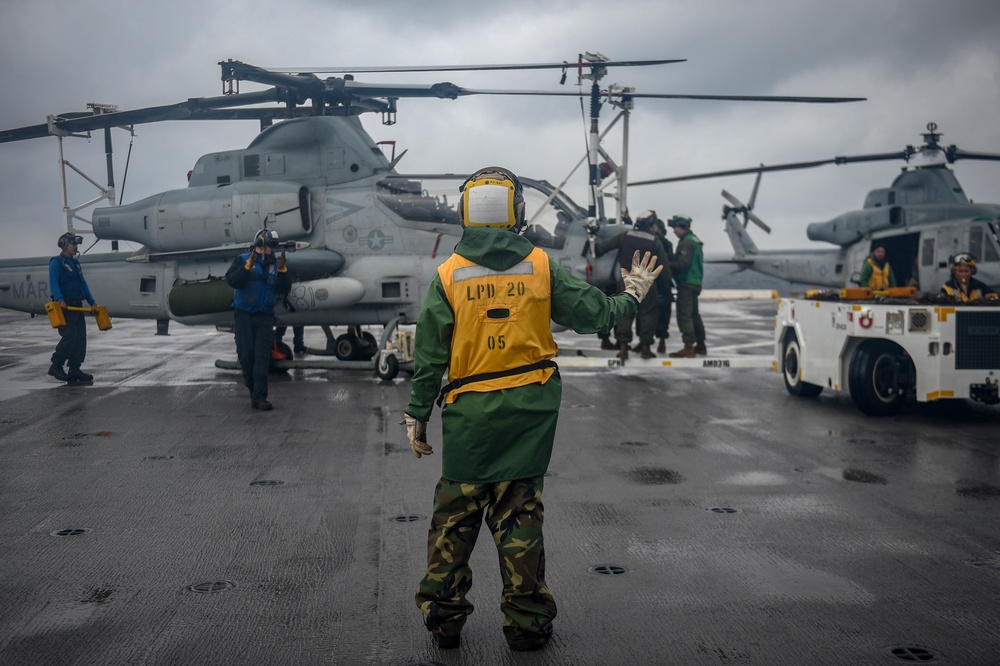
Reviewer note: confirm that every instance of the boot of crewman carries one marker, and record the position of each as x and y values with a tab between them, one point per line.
645	351
622	350
700	349
687	352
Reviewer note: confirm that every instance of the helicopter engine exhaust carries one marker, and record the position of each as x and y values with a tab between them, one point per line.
209	216
213	296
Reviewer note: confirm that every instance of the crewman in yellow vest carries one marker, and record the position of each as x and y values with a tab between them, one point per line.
486	320
962	286
876	273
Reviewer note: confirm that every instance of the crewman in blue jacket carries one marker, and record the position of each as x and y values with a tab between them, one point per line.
68	286
258	278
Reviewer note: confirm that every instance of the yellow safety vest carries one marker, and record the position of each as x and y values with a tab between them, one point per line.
974	293
501	323
879	281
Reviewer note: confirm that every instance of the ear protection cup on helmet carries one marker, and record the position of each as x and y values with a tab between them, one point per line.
499	205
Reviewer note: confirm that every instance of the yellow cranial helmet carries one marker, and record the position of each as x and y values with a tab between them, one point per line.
492	197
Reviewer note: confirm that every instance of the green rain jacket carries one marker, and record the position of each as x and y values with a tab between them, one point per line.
688	262
507	434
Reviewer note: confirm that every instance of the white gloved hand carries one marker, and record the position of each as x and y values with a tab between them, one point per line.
416	432
641	277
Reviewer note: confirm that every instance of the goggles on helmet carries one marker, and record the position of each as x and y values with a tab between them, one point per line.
68	238
963	259
268	237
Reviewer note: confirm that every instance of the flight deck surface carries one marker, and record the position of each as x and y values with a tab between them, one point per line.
694	515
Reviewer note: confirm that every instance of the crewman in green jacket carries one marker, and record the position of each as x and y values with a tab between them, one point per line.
486	321
876	273
687	265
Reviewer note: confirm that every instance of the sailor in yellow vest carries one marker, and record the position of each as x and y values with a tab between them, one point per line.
876	273
486	321
962	286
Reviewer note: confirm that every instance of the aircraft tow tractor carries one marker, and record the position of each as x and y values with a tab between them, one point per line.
883	348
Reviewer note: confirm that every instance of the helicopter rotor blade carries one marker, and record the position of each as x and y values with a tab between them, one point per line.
734	172
472	68
199	108
953	153
756	186
790	166
750	98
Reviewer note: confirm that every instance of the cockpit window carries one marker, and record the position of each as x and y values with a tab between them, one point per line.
981	245
976	242
434	199
547	223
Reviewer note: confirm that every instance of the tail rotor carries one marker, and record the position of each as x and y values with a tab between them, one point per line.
746	210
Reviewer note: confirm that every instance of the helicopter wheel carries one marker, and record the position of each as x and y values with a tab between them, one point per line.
369	346
347	347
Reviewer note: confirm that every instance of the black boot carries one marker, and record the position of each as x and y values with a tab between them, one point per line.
58	372
78	375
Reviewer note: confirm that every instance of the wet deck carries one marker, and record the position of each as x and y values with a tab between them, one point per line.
750	527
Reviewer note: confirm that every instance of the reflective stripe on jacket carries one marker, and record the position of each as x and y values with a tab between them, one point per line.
501	321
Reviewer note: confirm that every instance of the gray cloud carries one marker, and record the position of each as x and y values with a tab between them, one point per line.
916	61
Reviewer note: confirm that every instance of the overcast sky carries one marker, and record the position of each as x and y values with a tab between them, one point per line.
915	60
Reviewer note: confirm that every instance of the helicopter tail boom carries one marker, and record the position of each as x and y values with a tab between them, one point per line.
743	245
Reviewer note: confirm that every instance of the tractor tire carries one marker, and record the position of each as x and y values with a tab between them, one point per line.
791	370
871	375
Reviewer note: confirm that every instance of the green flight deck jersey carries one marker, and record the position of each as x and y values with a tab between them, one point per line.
505	434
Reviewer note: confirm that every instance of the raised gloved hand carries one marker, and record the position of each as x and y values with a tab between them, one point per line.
251	260
641	277
416	432
281	262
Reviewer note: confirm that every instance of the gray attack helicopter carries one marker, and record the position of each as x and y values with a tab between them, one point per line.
922	219
364	240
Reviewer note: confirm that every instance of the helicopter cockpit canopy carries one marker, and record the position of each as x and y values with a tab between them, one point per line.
434	199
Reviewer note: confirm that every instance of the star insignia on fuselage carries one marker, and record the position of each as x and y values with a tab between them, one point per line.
376	240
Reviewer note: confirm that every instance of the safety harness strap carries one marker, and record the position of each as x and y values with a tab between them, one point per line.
485	376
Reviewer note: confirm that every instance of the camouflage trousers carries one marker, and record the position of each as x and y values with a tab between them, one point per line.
514	514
